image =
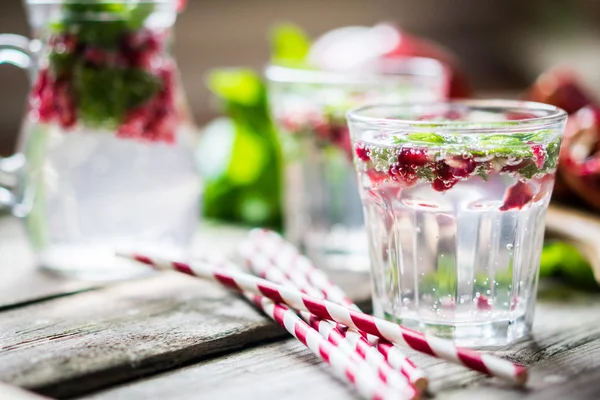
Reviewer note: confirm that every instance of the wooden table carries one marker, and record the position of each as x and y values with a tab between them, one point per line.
169	336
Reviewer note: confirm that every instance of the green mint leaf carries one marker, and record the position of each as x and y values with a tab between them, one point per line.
101	95
289	45
140	87
138	15
242	86
428	138
480	171
529	171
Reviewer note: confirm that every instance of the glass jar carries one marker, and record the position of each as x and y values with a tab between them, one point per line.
322	208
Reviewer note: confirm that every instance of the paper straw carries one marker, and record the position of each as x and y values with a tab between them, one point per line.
329	330
353	319
306	276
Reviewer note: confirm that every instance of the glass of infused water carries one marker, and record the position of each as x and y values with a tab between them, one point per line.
322	209
455	196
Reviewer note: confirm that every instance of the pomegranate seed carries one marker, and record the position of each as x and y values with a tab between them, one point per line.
95	55
539	155
441	185
377	177
483	303
461	167
517	197
403	174
413	157
363	153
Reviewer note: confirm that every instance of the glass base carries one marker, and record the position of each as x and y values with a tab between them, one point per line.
339	248
96	262
491	333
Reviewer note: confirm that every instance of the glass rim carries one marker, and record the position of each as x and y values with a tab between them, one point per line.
397	68
555	115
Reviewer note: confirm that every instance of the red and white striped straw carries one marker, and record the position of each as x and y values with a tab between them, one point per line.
359	349
353	319
306	276
360	375
401	390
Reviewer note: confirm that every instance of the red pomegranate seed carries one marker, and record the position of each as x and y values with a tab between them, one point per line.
483	303
405	175
377	177
539	155
517	197
413	157
460	167
362	153
95	55
441	185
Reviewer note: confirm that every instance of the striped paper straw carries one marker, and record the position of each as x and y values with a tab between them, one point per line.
353	319
361	350
356	372
359	375
305	275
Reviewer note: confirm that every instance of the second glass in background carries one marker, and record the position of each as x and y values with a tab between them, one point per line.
322	209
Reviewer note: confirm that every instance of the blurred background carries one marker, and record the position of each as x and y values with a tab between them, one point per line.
502	45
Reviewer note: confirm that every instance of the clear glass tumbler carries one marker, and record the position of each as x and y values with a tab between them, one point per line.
455	196
322	209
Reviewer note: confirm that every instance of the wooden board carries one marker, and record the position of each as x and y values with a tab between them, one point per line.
79	343
20	279
563	352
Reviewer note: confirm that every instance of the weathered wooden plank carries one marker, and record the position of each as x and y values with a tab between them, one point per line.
284	370
86	341
564	347
20	279
8	392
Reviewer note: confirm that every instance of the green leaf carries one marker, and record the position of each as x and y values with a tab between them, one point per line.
101	95
140	87
429	138
564	260
248	157
138	15
289	44
242	86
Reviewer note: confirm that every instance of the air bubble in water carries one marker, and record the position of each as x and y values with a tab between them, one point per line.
509	246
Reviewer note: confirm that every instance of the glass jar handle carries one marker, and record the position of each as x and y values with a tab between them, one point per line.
15	50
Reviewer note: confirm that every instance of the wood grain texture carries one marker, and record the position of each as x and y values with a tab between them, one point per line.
20	279
563	354
79	343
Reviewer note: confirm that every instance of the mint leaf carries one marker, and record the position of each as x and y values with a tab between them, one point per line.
429	138
101	95
242	86
289	45
140	87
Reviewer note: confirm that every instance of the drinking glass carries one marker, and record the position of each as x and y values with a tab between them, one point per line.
322	209
455	196
106	159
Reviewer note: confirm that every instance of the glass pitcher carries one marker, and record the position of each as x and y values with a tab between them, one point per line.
105	161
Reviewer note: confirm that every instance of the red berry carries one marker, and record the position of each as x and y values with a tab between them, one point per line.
64	104
376	177
413	157
362	153
539	155
483	303
95	55
517	197
403	174
441	185
460	167
452	115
